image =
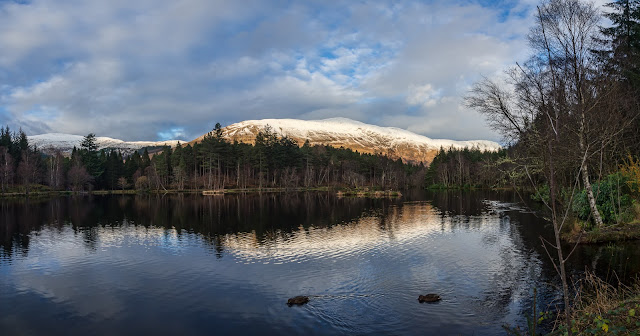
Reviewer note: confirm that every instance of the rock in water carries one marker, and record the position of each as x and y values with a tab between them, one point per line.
298	300
429	298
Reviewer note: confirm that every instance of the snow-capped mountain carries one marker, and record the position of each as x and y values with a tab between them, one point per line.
65	142
343	132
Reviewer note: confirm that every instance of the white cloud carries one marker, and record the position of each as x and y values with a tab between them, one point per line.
138	69
424	95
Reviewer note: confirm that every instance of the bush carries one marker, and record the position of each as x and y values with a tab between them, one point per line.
630	169
142	183
612	199
543	194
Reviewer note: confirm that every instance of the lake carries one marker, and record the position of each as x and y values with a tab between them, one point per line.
185	264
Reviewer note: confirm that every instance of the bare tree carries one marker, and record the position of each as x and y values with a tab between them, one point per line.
6	168
565	36
55	174
78	176
142	183
122	183
28	169
557	108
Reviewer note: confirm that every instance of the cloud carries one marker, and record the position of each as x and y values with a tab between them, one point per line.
424	95
139	70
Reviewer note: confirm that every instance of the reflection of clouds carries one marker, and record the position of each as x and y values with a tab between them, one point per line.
364	274
62	268
373	264
340	241
52	254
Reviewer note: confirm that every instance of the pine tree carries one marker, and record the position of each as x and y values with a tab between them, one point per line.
5	137
621	57
91	157
622	41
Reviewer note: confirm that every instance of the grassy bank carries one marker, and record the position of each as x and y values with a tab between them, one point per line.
470	187
605	234
41	192
368	193
602	309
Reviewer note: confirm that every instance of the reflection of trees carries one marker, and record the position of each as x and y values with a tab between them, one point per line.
259	220
266	214
19	217
521	261
457	203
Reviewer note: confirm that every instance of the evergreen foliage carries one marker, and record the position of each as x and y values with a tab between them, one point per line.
613	199
212	164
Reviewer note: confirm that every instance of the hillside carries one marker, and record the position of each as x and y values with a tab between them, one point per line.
355	135
65	143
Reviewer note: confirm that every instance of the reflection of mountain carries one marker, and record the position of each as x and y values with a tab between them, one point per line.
212	217
283	228
355	254
381	246
398	224
274	226
250	226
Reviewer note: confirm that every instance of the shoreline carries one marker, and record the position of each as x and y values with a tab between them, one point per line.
205	192
607	234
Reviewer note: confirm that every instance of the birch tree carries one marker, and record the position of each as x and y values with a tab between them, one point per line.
556	109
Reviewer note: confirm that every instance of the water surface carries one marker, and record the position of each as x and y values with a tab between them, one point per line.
194	265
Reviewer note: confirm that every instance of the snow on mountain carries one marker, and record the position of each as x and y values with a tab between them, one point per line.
65	143
365	138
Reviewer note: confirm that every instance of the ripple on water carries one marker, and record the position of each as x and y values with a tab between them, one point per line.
362	268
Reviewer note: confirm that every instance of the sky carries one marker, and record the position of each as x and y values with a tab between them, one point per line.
172	69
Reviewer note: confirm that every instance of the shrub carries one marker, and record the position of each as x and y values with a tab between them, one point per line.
543	194
142	183
630	169
612	199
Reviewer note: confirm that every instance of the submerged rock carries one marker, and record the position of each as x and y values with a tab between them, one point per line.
298	300
429	298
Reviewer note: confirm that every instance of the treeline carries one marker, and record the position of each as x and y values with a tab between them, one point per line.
467	168
212	164
276	162
571	113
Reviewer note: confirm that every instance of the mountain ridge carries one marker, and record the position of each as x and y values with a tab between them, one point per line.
394	142
50	142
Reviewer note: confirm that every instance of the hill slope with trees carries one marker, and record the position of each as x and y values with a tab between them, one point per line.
214	163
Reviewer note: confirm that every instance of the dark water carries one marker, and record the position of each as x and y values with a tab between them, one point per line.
194	265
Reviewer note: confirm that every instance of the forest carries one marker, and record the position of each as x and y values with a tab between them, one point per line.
212	164
571	116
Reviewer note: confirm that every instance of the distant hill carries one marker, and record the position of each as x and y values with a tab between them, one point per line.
335	132
355	135
50	142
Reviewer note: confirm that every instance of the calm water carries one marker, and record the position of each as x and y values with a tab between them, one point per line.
194	265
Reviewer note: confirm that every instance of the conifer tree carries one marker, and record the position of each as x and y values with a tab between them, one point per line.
91	157
622	41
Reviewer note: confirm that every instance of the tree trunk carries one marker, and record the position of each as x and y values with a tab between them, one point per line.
556	231
592	200
585	175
